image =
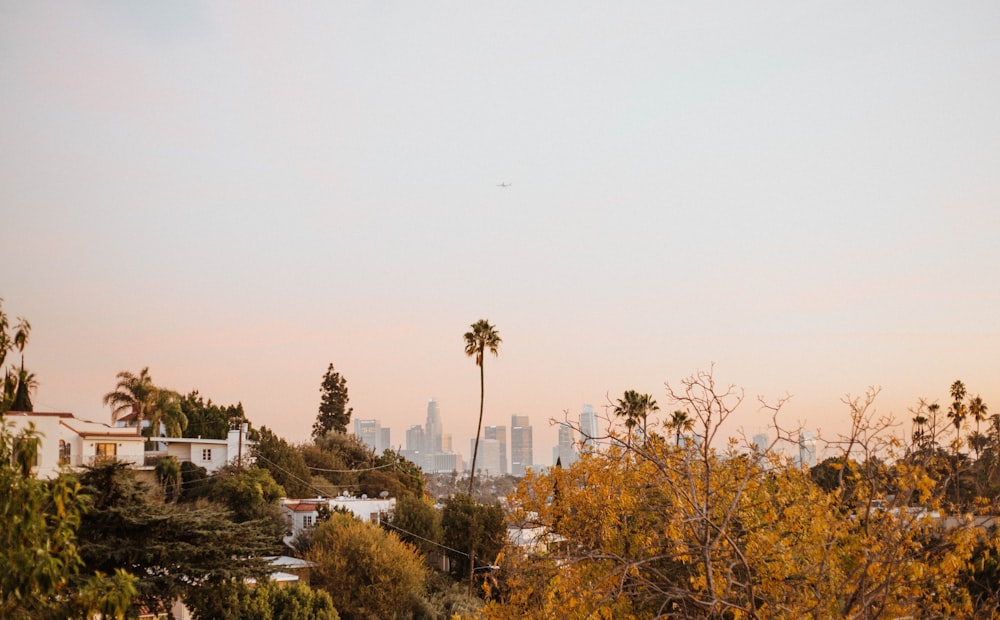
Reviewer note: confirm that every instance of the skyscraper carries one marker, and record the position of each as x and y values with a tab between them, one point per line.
500	434
565	452
432	429
371	433
520	444
589	428
807	449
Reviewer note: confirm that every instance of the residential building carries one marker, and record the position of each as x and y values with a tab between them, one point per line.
304	513
212	454
68	442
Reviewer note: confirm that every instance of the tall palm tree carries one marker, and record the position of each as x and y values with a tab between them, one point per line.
680	421
135	395
919	434
978	411
482	338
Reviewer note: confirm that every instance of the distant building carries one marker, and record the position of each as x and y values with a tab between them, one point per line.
807	449
371	433
565	451
589	428
433	427
488	459
761	442
500	434
521	454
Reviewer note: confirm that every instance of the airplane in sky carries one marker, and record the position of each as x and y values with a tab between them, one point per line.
504	184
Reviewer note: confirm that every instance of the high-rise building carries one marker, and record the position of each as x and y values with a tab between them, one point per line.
589	429
761	442
565	452
807	449
520	445
500	434
372	434
488	459
433	429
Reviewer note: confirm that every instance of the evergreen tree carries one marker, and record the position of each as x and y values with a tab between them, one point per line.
334	414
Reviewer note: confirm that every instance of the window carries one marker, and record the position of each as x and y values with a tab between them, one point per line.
105	451
308	520
64	452
206	454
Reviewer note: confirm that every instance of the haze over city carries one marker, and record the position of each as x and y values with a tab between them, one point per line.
804	195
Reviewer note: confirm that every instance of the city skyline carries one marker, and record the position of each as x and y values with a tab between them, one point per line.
801	197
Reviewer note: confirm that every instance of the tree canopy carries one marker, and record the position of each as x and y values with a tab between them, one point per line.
334	414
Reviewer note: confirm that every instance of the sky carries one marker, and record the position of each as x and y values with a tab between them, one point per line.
801	197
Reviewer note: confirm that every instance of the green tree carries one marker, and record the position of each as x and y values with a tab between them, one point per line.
266	601
168	476
368	572
173	549
483	337
285	463
208	420
18	383
417	522
334	414
138	398
39	557
468	524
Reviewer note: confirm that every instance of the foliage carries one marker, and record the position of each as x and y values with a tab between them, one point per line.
138	397
334	414
467	524
172	548
168	476
265	601
208	420
18	383
284	462
417	522
367	571
722	531
38	552
251	494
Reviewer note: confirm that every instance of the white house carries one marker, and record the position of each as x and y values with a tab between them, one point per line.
212	454
304	513
65	441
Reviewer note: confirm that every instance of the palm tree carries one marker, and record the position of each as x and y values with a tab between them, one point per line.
680	421
635	407
136	395
919	434
482	338
978	410
166	412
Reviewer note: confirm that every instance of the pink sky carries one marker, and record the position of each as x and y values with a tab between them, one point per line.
805	196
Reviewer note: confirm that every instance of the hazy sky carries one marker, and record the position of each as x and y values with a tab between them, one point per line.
237	194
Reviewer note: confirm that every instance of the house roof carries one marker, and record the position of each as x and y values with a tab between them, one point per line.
85	428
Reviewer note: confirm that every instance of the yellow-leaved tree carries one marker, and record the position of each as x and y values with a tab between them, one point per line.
669	528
